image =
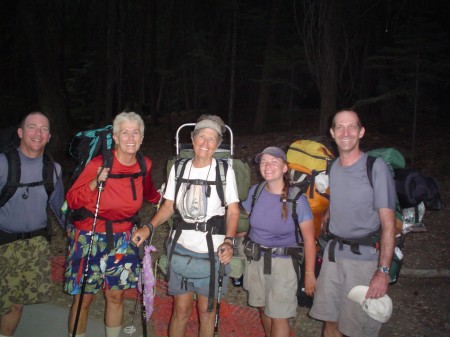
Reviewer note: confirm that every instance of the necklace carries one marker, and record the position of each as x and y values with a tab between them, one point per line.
190	168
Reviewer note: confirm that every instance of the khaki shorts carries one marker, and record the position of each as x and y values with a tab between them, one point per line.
276	292
335	280
25	273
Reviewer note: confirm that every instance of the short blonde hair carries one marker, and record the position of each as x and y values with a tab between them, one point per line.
128	117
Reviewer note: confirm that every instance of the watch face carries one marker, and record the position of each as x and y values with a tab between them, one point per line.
384	269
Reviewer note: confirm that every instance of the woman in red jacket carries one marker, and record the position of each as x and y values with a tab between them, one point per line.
114	263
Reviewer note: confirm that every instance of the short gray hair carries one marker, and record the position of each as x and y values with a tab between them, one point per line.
128	117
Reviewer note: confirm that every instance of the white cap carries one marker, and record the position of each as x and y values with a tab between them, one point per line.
379	309
210	124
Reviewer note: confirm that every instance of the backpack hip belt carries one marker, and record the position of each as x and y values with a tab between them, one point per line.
370	240
83	213
6	237
296	253
282	251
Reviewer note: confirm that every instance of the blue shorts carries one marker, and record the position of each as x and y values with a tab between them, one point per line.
117	269
177	286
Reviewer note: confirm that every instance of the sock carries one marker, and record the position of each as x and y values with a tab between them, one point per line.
5	336
113	332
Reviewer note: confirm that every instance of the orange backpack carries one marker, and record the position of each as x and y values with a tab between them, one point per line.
309	163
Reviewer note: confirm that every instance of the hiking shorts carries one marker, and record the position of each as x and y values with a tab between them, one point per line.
335	281
117	269
276	292
179	286
25	273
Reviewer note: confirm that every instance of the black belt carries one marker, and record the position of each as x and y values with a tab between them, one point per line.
295	252
282	250
6	237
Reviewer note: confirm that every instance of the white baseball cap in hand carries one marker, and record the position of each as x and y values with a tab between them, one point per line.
379	309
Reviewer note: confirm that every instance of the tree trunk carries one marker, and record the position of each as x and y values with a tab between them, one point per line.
151	88
233	64
328	96
45	48
263	105
321	35
111	74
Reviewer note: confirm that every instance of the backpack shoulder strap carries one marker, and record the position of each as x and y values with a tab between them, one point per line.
106	143
369	166
294	194
221	179
47	173
13	180
180	167
143	165
256	193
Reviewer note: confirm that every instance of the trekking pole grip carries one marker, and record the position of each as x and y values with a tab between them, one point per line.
221	269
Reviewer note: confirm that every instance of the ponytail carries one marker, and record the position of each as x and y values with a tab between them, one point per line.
284	195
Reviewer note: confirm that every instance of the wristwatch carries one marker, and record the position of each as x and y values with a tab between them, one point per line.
384	269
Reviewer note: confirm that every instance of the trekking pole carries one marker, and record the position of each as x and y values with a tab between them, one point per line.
86	269
219	295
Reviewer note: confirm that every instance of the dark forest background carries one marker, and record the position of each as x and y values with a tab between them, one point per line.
260	64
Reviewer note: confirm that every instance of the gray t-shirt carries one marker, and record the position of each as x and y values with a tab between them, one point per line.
354	203
19	214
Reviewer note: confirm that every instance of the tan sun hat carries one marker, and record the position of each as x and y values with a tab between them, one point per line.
379	309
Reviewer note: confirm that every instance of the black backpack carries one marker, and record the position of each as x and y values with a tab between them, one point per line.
9	141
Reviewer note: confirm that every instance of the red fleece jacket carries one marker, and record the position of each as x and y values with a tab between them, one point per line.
116	199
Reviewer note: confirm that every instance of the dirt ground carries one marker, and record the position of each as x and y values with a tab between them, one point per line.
421	305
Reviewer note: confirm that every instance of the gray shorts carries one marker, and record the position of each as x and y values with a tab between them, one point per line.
178	285
276	292
335	280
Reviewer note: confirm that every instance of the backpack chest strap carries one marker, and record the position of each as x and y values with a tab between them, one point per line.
215	225
132	176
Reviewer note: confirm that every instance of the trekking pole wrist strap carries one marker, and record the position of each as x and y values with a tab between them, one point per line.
150	227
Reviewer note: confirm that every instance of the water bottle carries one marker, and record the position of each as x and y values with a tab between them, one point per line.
395	265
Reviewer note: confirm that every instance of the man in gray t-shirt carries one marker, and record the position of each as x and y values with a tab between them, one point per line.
356	210
25	251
